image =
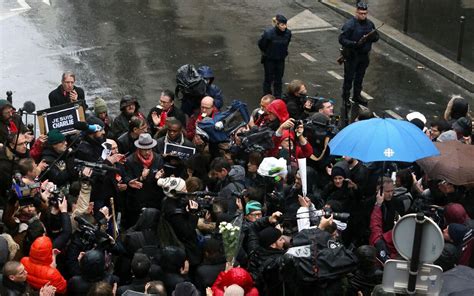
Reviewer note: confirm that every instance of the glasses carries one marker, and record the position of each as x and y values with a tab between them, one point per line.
255	214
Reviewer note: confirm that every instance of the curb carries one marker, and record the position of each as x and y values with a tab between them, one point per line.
432	59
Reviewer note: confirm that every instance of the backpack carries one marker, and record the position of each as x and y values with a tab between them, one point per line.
320	259
189	82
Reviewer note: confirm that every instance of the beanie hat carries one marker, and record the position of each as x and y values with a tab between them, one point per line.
171	185
185	289
252	206
338	171
99	106
459	233
234	290
4	103
55	137
281	19
92	120
268	236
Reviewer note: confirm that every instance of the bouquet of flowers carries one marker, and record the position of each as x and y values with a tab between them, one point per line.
231	238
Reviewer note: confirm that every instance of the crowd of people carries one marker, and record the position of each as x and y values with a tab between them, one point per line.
113	211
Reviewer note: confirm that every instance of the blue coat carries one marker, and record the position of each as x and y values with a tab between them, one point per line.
353	30
274	43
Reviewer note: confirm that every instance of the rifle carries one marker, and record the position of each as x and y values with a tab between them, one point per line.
345	51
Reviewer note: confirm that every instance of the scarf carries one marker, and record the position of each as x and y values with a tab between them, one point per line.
145	162
12	127
163	117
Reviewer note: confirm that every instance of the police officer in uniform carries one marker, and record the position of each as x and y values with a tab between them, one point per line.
274	47
356	43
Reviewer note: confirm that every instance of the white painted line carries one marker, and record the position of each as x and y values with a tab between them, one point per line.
23	5
314	30
335	75
393	114
47	2
366	95
308	57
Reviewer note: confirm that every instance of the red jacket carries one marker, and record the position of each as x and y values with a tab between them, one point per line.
376	232
192	123
238	276
299	151
37	150
38	266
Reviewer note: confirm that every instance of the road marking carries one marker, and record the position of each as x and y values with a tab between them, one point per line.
366	95
335	75
308	57
339	77
47	2
393	114
23	4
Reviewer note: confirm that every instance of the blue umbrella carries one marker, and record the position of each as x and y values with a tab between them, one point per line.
380	139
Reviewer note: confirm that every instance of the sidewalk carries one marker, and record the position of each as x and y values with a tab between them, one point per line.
432	59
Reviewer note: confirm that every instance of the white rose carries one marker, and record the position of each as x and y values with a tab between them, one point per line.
228	226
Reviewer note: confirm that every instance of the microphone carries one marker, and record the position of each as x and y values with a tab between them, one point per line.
28	107
83	126
96	165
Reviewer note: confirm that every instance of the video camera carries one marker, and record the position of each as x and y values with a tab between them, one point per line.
257	139
326	128
91	236
98	168
327	212
203	198
56	196
21	189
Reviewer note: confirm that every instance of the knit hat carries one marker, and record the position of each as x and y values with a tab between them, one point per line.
185	289
463	125
92	120
252	206
4	103
338	171
281	19
171	185
459	233
55	137
99	106
234	290
268	236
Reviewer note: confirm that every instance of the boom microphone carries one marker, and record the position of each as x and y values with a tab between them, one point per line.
83	126
28	107
96	165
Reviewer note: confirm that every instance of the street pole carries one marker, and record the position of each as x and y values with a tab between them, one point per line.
461	37
405	16
415	253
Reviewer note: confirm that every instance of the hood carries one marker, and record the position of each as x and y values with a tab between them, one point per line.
286	133
41	251
238	276
206	72
237	173
459	108
278	107
93	265
129	100
455	213
148	219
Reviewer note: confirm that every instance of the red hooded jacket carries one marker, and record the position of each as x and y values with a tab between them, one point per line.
376	232
278	108
38	266
238	276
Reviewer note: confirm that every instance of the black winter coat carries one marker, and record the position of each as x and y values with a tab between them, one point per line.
61	173
150	195
126	144
207	272
274	43
58	96
353	30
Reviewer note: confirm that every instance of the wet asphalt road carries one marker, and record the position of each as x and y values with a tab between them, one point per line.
134	47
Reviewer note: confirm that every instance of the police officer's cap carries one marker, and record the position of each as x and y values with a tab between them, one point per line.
362	6
281	19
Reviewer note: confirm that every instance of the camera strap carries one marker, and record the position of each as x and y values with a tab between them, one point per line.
314	158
